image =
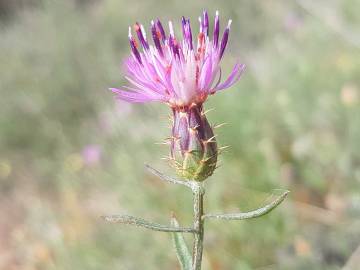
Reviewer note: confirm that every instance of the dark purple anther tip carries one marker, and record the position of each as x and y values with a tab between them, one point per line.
183	26
174	46
224	39
135	50
161	30
216	29
189	33
140	34
155	35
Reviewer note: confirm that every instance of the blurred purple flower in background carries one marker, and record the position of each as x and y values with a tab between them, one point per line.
91	154
293	22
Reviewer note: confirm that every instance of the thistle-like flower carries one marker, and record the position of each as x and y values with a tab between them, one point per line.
182	74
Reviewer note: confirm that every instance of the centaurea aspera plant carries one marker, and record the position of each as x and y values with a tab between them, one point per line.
183	74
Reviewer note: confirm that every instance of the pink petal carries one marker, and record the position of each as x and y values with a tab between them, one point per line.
233	77
206	74
134	97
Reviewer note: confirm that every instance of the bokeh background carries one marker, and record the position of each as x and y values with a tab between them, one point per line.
69	152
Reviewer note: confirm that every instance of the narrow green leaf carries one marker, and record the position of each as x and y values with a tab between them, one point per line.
181	248
140	222
252	214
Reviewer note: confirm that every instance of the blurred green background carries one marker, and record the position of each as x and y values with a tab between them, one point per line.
69	152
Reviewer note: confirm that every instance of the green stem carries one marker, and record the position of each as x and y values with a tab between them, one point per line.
198	192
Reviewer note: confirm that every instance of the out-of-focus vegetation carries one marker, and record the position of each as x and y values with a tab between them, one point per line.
69	152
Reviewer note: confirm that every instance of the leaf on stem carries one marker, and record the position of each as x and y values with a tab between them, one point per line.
252	214
140	222
182	251
166	178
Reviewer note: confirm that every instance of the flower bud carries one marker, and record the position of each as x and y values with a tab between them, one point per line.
193	145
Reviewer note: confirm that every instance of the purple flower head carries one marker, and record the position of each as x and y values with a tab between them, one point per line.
181	73
174	71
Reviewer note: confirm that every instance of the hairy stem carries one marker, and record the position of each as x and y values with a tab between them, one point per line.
167	178
199	192
140	222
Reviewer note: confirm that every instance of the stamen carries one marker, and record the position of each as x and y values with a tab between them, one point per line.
206	22
133	46
156	38
172	41
134	50
183	25
161	30
139	29
216	29
188	30
224	39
